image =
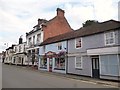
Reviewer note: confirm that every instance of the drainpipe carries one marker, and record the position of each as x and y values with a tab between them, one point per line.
67	58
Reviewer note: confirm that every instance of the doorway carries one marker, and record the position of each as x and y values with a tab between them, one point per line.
22	60
50	64
95	67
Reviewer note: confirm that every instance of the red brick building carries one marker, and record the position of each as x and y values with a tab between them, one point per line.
56	26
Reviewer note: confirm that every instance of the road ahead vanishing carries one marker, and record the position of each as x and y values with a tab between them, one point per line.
21	77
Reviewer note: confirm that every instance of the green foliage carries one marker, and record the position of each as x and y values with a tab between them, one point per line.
89	22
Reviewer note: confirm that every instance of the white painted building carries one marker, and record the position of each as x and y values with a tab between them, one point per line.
9	54
20	55
34	38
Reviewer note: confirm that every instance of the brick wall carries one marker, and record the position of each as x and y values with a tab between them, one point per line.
56	26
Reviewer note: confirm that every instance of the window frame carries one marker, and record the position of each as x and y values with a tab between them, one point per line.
38	39
81	63
105	38
59	45
76	43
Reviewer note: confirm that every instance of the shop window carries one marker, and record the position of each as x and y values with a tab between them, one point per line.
78	62
43	63
109	65
78	43
60	63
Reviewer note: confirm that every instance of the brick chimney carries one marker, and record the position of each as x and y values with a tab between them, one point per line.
60	12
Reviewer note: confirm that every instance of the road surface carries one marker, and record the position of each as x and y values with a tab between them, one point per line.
20	77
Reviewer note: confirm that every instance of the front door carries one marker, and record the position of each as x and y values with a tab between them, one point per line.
22	60
50	64
95	67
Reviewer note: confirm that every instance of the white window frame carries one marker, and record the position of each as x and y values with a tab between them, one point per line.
109	37
34	40
81	63
38	39
75	43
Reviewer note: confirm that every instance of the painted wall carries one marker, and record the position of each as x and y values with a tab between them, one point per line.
23	48
88	42
119	36
35	34
92	41
54	47
87	66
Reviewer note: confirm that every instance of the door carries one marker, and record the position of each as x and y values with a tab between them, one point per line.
50	64
22	60
95	67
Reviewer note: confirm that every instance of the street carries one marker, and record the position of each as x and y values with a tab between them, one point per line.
20	77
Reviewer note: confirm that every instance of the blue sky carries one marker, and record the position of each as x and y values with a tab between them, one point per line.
19	16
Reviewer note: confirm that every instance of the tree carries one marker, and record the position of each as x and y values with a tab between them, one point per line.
89	22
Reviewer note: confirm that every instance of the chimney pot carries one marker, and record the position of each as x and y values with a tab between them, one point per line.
60	12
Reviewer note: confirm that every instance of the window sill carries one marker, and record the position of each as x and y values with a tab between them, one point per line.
79	68
78	48
109	44
43	67
58	69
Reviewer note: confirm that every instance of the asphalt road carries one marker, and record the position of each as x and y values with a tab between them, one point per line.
20	77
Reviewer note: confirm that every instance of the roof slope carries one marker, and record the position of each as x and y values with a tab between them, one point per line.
84	31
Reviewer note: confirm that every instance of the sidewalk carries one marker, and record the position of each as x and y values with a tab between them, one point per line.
83	78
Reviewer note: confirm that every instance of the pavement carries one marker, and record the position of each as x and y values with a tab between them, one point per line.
83	78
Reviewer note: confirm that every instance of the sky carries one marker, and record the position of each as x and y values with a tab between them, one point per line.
19	16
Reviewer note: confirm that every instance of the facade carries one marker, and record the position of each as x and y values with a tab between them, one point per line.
34	38
53	56
95	52
20	55
44	30
1	57
9	55
92	51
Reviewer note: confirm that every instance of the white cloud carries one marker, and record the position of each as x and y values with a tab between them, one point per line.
19	16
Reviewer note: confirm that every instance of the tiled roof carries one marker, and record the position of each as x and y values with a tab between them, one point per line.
11	47
84	31
37	26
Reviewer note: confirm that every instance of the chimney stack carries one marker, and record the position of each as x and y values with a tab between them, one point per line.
39	21
60	12
20	40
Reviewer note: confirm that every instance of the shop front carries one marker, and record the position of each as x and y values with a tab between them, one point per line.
53	62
